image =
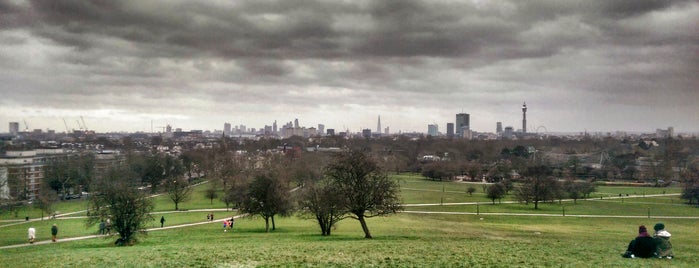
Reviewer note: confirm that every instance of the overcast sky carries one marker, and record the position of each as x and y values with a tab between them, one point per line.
580	65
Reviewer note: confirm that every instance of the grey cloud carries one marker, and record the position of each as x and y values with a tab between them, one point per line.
182	55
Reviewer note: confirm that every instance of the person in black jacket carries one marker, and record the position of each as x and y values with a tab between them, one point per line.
54	232
643	246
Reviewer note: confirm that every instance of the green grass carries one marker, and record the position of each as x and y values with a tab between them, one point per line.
403	240
197	200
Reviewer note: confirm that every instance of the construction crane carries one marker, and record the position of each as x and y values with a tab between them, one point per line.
84	126
66	124
26	127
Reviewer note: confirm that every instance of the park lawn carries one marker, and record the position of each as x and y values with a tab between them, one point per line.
197	200
34	212
613	207
616	190
399	240
16	233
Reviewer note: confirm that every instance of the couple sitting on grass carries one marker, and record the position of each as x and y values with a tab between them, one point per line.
646	246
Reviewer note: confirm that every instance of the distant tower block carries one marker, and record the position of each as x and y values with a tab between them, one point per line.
524	117
378	125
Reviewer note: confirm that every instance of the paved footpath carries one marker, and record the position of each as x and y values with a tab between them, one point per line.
68	239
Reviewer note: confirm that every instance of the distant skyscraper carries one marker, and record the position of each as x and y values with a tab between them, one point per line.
463	122
296	123
498	128
14	128
366	133
509	132
274	127
227	129
524	117
331	132
378	125
450	130
321	129
432	130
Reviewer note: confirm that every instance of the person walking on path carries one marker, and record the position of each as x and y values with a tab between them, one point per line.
31	233
102	227
54	232
162	221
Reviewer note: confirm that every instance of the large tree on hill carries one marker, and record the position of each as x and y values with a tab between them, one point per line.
115	197
267	196
365	188
325	203
537	186
178	190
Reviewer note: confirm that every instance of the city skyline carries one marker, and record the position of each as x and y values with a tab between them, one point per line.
134	66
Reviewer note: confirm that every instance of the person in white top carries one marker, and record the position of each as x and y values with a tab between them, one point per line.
31	233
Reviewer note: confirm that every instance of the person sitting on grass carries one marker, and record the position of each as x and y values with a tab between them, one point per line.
662	240
643	246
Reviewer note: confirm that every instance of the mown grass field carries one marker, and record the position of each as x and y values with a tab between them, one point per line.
403	240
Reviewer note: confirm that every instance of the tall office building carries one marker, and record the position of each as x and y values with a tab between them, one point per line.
227	129
274	127
321	129
450	130
366	133
432	130
498	128
14	128
378	125
296	123
508	133
463	122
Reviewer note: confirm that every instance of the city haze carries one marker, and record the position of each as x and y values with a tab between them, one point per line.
141	65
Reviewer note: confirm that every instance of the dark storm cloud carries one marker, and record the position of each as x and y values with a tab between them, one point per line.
177	56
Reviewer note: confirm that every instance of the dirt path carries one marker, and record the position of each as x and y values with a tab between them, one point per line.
68	239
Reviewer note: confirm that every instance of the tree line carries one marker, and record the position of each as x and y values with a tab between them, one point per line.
267	185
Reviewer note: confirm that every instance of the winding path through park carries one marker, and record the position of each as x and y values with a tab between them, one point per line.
68	239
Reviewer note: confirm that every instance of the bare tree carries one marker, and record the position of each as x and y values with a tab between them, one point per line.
178	190
537	186
211	194
470	190
267	196
46	199
115	197
496	191
367	191
325	203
